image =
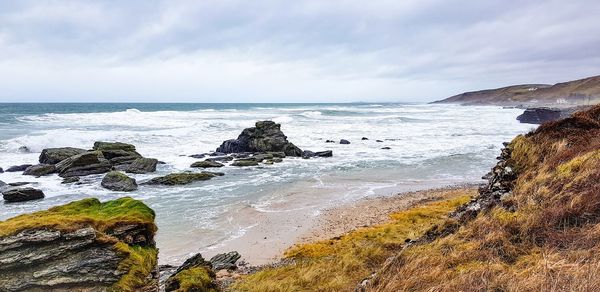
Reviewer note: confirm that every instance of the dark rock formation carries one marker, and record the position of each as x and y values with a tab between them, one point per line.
245	162
117	181
378	141
21	195
386	148
16	168
326	153
102	146
181	178
68	180
364	138
72	248
142	165
265	137
344	141
306	154
87	163
206	164
56	155
1	170
225	261
40	169
539	115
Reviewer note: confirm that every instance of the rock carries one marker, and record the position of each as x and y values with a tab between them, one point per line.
539	115
245	162
277	154
266	136
344	141
21	195
197	156
69	180
195	274
326	153
87	163
220	159
56	155
16	168
329	141
268	162
306	154
206	164
225	260
386	148
261	157
379	141
364	138
142	165
24	149
113	146
40	169
117	181
277	160
72	248
217	154
1	170
18	183
181	178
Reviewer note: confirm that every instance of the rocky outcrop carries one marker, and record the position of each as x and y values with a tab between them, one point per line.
181	178
142	165
16	168
74	248
117	181
266	136
40	170
225	261
87	163
539	115
206	164
107	146
56	155
21	194
195	274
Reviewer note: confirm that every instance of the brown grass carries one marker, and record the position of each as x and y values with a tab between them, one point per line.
550	243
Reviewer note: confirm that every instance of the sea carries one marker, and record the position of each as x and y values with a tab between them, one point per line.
421	146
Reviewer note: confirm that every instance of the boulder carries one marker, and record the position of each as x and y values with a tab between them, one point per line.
69	180
364	138
16	168
56	155
87	163
344	141
181	178
306	154
225	261
21	195
142	165
81	246
326	153
40	169
195	274
206	164
539	115
102	146
245	162
117	181
266	136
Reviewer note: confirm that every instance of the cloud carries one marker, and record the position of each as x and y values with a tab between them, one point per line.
288	51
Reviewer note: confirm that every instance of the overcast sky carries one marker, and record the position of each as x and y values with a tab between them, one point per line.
289	51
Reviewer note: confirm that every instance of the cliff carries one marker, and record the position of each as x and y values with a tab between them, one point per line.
572	93
81	246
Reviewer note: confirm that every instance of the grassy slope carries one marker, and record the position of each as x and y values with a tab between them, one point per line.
138	260
550	243
339	264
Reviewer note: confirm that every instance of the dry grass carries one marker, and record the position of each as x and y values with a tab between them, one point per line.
552	241
339	264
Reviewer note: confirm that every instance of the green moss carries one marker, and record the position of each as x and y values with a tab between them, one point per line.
196	279
182	178
83	213
139	262
574	165
113	146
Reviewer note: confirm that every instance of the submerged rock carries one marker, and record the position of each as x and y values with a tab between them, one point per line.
225	261
69	180
181	178
386	148
220	159
22	194
266	136
344	141
364	138
74	247
142	165
197	156
92	162
16	168
56	155
40	169
245	162
117	181
326	153
206	164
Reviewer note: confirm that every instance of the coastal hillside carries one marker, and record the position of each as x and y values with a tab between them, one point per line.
535	226
571	93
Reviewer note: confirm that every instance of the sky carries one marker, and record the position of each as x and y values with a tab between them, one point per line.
289	51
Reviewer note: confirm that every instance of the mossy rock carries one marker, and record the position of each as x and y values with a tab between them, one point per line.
206	164
112	242
117	181
181	178
245	162
113	146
